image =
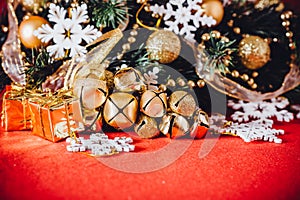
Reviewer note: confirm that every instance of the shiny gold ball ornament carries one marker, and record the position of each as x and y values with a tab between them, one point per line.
254	52
128	80
174	125
146	127
120	110
163	46
183	103
153	103
214	8
26	29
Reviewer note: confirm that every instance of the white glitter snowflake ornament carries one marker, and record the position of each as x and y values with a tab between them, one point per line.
263	110
99	144
254	120
183	17
255	130
67	34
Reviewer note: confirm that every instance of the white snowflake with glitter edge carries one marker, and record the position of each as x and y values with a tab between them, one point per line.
253	119
67	33
187	16
99	144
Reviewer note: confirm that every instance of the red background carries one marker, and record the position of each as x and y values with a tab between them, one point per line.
33	168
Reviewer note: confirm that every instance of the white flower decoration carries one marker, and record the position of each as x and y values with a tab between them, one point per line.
67	34
187	16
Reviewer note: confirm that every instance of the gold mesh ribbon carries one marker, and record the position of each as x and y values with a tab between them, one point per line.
93	62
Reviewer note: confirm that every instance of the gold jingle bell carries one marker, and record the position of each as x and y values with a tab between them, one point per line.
128	80
174	125
153	103
201	125
146	127
163	46
120	110
91	90
183	103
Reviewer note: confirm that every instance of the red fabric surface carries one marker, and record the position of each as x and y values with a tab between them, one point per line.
33	168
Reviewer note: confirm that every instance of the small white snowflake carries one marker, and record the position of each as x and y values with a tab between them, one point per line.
216	121
297	109
151	78
254	130
99	144
263	110
67	34
183	17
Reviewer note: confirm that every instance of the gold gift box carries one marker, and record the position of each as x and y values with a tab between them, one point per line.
55	118
16	114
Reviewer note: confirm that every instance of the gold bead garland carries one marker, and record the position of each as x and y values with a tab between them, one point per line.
126	46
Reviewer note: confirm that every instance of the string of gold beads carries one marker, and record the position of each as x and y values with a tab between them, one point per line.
245	77
285	17
181	82
131	39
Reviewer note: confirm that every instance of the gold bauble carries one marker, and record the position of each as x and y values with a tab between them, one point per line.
146	127
153	103
128	80
183	103
213	8
26	29
174	125
254	52
120	110
163	46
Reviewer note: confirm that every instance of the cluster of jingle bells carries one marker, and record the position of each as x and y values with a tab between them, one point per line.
124	102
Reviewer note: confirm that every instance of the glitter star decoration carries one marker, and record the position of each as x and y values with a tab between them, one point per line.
67	34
